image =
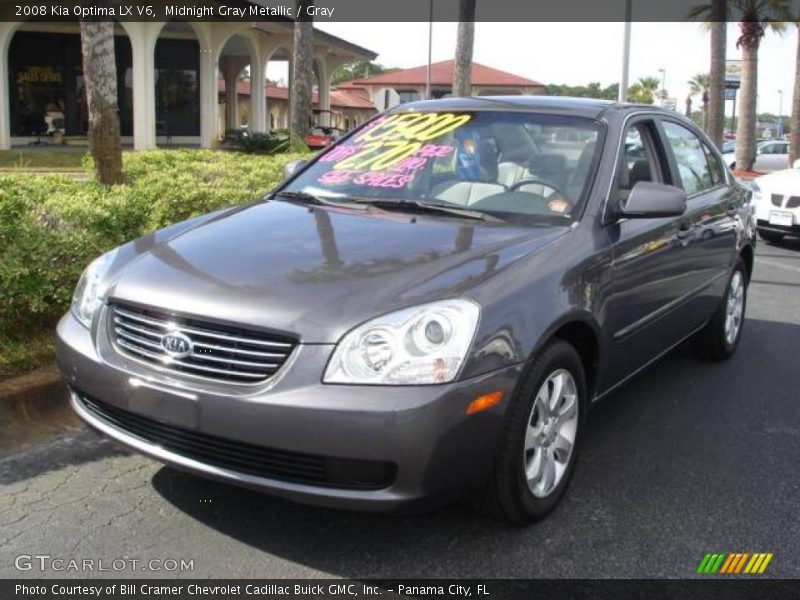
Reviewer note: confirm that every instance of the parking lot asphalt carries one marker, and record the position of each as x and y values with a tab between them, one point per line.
689	458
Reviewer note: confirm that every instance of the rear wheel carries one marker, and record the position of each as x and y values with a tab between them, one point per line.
770	236
719	339
541	438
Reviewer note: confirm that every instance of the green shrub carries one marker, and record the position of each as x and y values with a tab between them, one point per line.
259	143
51	227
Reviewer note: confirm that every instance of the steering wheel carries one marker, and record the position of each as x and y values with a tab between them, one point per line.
536	181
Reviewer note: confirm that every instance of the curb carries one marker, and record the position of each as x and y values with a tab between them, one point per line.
45	380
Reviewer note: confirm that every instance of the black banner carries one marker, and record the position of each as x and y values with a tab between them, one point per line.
365	10
502	589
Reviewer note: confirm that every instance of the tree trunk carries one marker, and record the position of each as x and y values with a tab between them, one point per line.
746	128
794	124
715	123
302	75
462	74
100	70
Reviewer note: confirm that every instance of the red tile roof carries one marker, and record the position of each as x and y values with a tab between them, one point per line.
339	98
442	74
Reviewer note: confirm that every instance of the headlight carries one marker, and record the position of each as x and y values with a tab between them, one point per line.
420	345
87	297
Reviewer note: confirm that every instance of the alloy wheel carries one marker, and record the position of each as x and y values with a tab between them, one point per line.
734	308
550	434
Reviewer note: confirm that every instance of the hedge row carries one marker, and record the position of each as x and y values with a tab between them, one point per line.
52	226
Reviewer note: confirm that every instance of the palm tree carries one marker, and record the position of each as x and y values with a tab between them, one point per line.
302	74
794	136
699	85
462	74
100	68
757	16
644	90
714	113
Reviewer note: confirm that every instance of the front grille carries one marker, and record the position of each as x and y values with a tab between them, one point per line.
218	352
282	465
777	200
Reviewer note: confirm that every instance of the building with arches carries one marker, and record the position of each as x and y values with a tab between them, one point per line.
169	78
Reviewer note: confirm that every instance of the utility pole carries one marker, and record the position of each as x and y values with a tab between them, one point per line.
626	54
430	52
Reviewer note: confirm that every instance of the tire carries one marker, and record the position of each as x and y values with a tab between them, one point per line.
770	236
717	341
508	494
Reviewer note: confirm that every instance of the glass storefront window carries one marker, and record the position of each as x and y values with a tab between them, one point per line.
40	99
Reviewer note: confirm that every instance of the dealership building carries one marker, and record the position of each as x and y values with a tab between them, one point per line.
176	80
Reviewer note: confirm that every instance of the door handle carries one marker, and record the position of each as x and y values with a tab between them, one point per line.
732	211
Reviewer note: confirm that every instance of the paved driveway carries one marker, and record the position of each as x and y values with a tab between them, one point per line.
691	457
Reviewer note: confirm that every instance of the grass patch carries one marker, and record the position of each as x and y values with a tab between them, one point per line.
42	159
52	226
22	355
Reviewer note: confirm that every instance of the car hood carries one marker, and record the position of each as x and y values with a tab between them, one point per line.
316	272
781	182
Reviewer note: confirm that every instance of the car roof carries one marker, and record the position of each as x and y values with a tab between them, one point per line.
584	107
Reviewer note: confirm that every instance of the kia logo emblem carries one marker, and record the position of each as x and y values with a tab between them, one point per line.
177	344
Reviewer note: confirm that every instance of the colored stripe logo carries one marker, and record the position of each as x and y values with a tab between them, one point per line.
734	563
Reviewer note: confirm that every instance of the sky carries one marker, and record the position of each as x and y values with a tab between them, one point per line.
579	53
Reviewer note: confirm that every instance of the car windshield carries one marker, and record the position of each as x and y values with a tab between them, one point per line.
515	165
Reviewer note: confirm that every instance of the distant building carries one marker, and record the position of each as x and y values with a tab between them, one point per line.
348	109
397	87
168	78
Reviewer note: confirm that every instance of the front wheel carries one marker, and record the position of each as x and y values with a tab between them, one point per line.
541	437
719	339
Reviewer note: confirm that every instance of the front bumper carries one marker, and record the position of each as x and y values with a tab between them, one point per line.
436	452
794	230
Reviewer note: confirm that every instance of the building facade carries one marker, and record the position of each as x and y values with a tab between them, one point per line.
168	78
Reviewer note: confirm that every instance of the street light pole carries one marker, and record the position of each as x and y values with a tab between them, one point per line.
430	53
626	54
779	126
663	92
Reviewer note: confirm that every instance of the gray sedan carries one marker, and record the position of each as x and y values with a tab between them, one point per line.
426	309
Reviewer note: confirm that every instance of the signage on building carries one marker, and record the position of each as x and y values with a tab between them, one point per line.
733	74
46	74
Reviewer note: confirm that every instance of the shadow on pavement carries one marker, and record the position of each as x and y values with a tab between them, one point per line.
25	426
685	453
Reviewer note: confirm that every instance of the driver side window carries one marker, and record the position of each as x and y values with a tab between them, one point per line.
639	159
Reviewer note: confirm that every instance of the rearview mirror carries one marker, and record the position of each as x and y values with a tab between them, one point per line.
292	167
650	200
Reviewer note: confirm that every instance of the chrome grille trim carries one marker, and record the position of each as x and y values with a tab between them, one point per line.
167	326
216	355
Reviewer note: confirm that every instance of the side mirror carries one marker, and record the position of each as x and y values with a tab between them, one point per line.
796	164
650	200
292	167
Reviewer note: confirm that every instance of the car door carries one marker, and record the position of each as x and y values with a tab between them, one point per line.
650	280
712	209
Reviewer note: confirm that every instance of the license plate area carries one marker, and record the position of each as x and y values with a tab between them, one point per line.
781	217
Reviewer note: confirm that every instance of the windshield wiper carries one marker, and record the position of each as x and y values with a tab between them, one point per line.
418	206
310	198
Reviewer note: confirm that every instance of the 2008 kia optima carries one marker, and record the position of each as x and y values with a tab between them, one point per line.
427	309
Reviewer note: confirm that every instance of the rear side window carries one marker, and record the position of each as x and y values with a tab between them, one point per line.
715	166
691	158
